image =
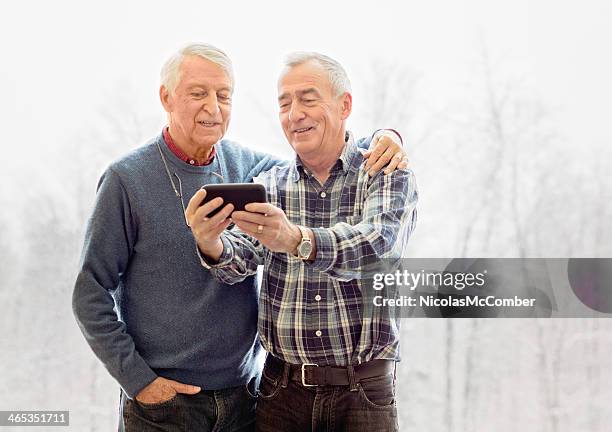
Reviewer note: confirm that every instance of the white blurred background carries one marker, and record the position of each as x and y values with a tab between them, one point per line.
504	109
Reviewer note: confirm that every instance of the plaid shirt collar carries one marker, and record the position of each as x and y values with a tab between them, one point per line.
343	163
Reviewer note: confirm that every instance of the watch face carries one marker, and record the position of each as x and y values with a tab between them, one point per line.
304	249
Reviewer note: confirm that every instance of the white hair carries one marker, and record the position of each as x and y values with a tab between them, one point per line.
338	78
170	72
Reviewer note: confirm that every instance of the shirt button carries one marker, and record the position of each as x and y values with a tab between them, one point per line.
191	161
323	194
318	332
318	297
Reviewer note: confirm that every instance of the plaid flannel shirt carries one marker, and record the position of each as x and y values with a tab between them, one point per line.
312	312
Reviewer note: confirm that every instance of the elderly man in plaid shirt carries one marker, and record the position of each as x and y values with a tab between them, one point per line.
330	366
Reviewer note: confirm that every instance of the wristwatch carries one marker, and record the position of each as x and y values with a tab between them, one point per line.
304	248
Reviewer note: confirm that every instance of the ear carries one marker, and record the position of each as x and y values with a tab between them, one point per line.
347	105
165	98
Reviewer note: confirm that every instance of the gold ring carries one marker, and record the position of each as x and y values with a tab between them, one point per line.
259	229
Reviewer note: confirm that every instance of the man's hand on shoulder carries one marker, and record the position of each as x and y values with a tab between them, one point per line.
385	151
162	390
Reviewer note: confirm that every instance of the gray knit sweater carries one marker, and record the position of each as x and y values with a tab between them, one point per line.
142	299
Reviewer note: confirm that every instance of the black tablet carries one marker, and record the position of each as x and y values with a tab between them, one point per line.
239	194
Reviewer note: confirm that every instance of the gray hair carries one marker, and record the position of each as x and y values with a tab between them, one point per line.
170	72
338	78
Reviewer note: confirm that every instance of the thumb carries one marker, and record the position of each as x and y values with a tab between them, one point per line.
195	202
184	388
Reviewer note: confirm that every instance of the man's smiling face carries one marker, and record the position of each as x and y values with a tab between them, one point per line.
199	109
311	115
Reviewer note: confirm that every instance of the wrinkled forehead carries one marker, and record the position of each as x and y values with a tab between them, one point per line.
306	76
197	71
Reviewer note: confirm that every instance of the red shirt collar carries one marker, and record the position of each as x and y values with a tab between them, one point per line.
181	154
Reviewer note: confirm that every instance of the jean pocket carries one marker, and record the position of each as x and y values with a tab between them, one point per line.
139	416
378	392
157	405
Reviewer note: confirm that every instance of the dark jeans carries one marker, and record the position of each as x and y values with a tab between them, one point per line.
287	406
227	410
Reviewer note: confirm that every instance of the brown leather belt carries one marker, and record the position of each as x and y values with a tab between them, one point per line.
311	375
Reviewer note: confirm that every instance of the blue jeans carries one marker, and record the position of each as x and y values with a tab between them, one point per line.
227	410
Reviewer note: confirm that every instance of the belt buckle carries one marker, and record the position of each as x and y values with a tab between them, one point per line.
304	375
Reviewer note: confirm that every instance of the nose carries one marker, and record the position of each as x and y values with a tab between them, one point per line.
296	113
211	104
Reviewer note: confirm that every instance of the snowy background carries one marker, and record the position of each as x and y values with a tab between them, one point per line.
505	110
